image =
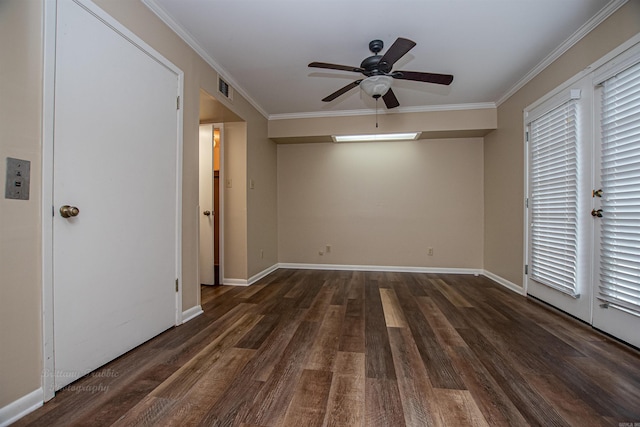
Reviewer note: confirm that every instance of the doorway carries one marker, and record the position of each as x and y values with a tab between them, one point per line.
211	137
213	115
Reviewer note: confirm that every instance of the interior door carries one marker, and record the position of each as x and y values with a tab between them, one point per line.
115	193
207	213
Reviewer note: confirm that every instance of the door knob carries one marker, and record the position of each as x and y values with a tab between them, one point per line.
69	211
207	213
596	212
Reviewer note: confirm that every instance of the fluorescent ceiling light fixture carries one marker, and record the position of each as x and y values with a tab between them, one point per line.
377	137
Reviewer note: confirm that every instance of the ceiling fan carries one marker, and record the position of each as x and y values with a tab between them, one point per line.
379	76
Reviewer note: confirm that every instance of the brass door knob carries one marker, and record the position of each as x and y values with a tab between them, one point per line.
69	211
207	213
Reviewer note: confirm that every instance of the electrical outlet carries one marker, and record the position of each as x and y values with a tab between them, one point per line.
430	251
327	249
320	252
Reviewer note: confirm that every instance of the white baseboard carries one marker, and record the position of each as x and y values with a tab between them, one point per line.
21	407
264	273
191	313
235	282
392	269
504	282
253	279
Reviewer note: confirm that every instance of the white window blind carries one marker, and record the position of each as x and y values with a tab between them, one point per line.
620	175
553	200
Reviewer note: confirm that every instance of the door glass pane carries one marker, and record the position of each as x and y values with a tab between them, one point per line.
620	174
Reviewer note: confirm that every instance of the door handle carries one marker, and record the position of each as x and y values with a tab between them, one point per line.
596	213
206	213
67	211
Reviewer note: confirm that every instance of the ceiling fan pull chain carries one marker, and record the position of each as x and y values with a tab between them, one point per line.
377	113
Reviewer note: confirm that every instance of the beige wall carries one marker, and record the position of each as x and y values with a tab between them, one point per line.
504	148
262	235
235	200
20	248
382	203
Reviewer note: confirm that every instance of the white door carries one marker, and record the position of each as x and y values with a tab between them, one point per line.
115	159
206	253
559	202
616	308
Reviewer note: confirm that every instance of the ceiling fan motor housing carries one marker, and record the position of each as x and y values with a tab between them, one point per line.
372	66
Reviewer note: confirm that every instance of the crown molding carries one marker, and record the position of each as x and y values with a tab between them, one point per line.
400	110
190	40
585	29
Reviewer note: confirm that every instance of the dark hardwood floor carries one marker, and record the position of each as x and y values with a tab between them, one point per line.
313	348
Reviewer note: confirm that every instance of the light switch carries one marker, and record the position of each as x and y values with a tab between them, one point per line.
18	179
229	183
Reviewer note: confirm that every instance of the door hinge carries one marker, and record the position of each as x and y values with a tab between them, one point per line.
526	202
176	285
526	269
526	136
178	103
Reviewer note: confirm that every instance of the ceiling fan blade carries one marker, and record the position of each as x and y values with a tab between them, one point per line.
342	90
335	67
390	99
441	79
397	50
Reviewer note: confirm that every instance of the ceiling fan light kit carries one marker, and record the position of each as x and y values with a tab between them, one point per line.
405	136
376	86
378	74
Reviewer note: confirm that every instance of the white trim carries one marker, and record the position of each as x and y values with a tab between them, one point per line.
400	110
624	60
253	279
221	187
393	269
586	71
179	160
48	106
190	40
21	407
191	313
504	282
235	282
585	29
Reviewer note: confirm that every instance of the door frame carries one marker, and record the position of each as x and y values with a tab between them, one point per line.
220	213
48	111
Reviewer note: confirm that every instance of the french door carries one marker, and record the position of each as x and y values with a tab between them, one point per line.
616	306
583	200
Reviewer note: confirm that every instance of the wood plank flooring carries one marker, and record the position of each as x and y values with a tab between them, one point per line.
335	348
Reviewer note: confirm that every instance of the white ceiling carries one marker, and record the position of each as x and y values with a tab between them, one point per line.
262	47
